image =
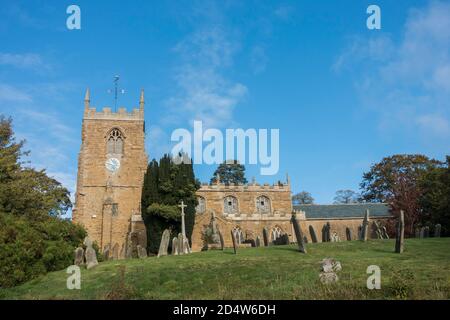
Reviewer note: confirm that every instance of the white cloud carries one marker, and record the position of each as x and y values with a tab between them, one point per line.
205	92
24	61
407	83
9	93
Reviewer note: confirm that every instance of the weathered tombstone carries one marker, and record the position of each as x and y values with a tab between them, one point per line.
79	256
131	245
422	232
265	237
329	269
90	255
142	252
258	241
360	232
400	233
233	238
326	232
437	230
417	233
348	233
365	227
186	246
312	232
180	243
426	233
298	233
164	245
222	243
174	246
115	251
107	252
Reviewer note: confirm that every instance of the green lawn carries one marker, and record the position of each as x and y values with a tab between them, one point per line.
276	272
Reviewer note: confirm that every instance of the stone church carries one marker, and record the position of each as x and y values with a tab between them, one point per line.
111	166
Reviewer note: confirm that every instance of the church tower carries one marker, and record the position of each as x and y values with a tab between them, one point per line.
111	167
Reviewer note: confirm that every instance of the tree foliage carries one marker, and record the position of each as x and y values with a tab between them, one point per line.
346	197
230	172
302	197
166	184
33	240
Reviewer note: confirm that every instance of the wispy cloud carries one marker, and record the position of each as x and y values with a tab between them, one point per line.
407	83
205	92
22	60
10	93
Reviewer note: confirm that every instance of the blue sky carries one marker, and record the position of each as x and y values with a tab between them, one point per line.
342	96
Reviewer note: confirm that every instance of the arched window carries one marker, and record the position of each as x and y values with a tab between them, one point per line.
201	207
276	233
263	204
114	143
230	205
238	235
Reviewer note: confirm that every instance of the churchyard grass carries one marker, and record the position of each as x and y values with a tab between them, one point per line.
422	271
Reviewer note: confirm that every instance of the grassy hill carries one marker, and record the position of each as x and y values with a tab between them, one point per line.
277	272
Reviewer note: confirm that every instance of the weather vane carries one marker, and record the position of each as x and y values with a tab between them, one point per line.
116	91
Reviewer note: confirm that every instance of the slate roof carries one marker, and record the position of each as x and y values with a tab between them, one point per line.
337	211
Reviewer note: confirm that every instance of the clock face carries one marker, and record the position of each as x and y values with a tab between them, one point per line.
112	164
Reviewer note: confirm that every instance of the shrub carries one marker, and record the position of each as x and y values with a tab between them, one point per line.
31	248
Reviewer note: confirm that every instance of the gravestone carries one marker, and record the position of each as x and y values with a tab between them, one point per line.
79	256
437	230
335	237
233	238
326	232
329	269
222	243
258	241
298	233
422	232
417	233
426	233
180	243
174	246
107	252
142	252
90	254
312	232
399	239
115	251
360	232
164	245
186	246
348	233
365	227
131	245
265	237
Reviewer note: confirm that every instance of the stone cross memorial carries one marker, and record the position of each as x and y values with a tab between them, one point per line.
400	233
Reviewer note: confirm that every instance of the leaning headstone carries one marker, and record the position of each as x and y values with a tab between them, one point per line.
233	238
298	233
164	245
142	252
348	233
312	232
258	241
90	254
265	237
365	227
400	233
79	256
437	230
174	246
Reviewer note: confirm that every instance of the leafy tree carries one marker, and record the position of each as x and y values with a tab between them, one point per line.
435	196
33	240
303	197
165	185
346	196
395	180
230	172
24	190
